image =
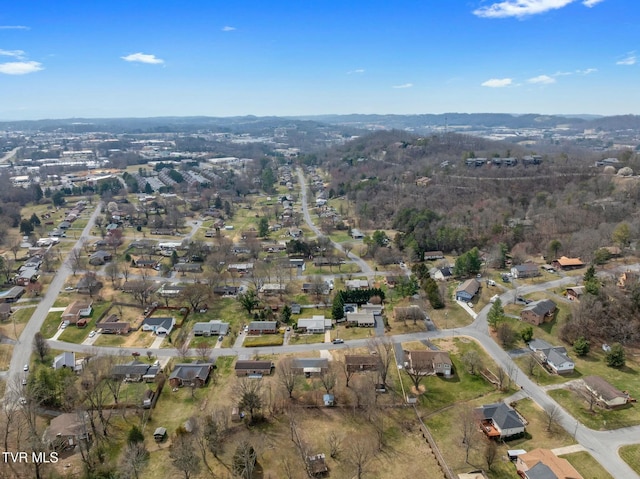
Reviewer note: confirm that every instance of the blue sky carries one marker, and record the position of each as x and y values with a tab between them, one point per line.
222	58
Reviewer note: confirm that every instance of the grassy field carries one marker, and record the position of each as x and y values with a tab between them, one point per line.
587	466
631	455
264	340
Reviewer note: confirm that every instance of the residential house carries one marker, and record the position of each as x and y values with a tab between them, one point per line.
354	284
100	257
575	292
605	393
144	262
271	289
12	295
364	362
375	309
544	464
526	270
315	288
185	268
135	371
112	325
170	290
316	324
240	268
557	360
296	308
309	366
26	275
159	325
554	357
538	312
215	327
361	320
67	430
5	311
500	421
190	374
433	255
75	311
467	290
226	290
296	263
263	327
567	264
441	274
427	363
253	368
65	359
316	464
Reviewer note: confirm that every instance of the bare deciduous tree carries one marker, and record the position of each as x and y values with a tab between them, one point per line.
183	454
551	414
359	455
134	459
287	376
40	346
472	360
490	453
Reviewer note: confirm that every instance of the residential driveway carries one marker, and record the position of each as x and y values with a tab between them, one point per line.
89	341
157	342
239	340
469	310
57	335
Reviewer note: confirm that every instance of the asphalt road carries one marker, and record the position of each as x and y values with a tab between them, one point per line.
22	350
362	264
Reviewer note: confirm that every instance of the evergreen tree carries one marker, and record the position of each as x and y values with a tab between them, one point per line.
495	314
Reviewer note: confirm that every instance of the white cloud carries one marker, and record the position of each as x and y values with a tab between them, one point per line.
586	71
404	85
358	70
591	3
143	58
14	27
20	68
542	79
12	53
498	82
630	59
520	8
227	28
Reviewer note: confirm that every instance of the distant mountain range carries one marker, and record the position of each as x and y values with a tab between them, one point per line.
253	124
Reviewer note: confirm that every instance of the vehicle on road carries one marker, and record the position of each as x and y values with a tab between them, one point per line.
338	341
26	367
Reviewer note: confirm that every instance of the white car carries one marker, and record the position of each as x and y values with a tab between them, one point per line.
26	367
92	334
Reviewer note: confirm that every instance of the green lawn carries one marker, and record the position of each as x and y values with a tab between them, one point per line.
51	323
599	419
631	455
73	334
588	467
306	338
265	340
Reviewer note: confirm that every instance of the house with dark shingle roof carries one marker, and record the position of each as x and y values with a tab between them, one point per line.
526	270
250	367
309	366
214	327
190	374
263	327
538	312
161	325
500	420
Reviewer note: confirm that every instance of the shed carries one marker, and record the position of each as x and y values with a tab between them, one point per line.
159	434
